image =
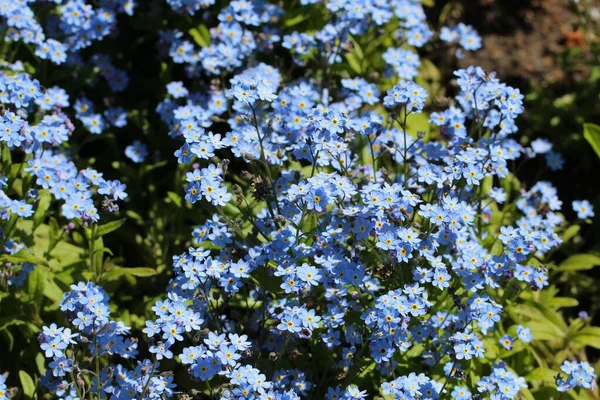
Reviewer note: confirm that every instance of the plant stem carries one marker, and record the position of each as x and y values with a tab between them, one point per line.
266	164
92	251
149	379
374	160
448	378
97	360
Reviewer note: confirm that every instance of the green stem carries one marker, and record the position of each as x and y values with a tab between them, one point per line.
231	223
97	361
479	217
149	379
92	251
300	224
210	389
264	160
280	354
374	160
405	150
448	378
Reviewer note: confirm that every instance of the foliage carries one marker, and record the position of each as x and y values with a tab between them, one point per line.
251	200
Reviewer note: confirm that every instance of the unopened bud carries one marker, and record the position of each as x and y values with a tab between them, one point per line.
247	176
248	156
280	153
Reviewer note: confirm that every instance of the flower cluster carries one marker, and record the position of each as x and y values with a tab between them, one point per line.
465	35
86	308
405	63
407	94
174	318
399	258
501	383
50	168
47	170
579	374
350	254
426	226
78	24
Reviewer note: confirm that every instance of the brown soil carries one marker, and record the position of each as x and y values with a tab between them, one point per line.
521	38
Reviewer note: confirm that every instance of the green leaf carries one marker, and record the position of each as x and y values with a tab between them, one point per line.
42	207
591	133
588	336
594	74
487	184
430	76
15	170
98	256
5	322
562	302
354	62
27	384
497	248
526	393
116	272
175	198
23	256
37	285
40	361
53	233
553	317
579	262
418	122
201	35
78	238
545	323
53	291
245	302
364	374
544	331
147	168
545	375
570	233
296	20
356	48
133	215
110	227
6	158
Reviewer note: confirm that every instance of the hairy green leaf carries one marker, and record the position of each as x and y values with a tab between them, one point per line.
110	227
591	133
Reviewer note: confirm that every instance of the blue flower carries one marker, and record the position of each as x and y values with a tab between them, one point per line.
137	151
583	208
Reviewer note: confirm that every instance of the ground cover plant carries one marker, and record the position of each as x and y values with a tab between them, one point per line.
206	199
